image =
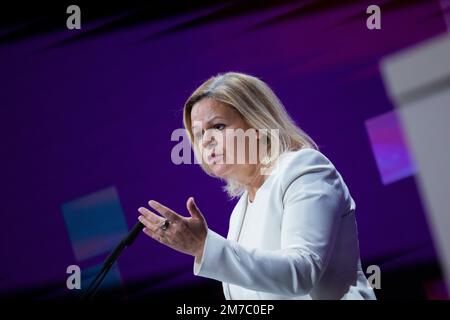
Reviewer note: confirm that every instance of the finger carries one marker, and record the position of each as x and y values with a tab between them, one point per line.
164	211
148	224
163	237
158	237
153	217
194	211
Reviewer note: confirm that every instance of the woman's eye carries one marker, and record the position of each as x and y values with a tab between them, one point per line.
219	126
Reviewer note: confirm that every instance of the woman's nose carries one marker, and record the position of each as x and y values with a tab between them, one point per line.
208	141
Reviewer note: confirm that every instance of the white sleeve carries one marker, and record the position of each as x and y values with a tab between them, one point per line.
313	203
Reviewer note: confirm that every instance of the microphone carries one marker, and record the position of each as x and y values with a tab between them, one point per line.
132	235
126	242
109	261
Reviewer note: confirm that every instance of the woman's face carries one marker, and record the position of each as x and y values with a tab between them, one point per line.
213	124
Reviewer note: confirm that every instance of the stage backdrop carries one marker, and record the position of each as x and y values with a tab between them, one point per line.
87	117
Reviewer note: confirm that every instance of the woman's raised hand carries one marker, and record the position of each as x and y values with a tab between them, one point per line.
184	234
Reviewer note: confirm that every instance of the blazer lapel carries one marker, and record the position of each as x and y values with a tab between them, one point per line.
237	217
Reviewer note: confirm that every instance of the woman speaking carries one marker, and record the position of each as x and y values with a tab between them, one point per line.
293	233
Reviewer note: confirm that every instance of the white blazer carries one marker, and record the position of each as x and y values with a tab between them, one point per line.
297	240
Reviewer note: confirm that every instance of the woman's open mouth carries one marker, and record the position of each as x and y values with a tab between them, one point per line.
214	157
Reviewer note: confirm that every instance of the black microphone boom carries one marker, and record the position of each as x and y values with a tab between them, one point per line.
109	261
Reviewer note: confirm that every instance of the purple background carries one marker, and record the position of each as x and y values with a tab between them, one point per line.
85	110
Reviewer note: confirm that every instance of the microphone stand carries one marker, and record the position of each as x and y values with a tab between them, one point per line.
110	260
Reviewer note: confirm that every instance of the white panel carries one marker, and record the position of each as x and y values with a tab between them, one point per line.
418	81
427	128
419	67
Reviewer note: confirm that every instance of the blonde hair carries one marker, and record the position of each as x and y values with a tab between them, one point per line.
259	107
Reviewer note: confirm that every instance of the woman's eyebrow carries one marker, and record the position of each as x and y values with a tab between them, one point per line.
209	121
